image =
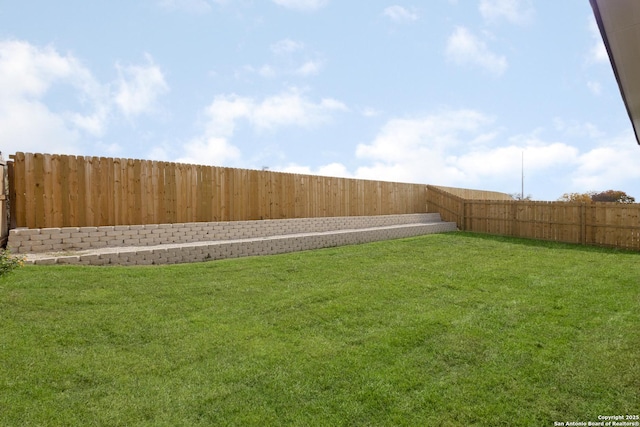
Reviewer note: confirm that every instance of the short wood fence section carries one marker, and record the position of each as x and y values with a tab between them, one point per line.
598	224
69	191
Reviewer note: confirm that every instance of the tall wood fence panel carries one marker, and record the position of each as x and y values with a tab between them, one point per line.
598	224
4	196
70	191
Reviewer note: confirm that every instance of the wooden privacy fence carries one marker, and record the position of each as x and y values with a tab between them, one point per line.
598	224
70	191
4	211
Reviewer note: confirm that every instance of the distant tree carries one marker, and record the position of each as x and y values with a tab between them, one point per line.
518	196
576	197
613	196
594	196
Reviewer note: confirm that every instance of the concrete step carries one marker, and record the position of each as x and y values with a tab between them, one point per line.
198	251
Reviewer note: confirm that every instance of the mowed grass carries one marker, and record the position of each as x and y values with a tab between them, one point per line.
451	329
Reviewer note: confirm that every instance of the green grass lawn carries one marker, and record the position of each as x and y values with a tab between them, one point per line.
441	330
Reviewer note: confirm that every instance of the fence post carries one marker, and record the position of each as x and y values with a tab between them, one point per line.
4	212
512	218
462	215
583	223
11	195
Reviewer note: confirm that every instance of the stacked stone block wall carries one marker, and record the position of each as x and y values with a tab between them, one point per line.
22	241
206	251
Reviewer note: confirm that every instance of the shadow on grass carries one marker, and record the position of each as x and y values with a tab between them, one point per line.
545	243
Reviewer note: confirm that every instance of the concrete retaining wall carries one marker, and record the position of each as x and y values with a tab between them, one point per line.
30	241
204	251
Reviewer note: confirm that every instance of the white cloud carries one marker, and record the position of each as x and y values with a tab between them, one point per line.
594	87
32	127
457	148
209	150
464	48
576	128
400	14
598	52
28	124
93	123
286	46
286	109
30	71
267	71
192	6
224	111
82	107
309	68
506	161
291	108
437	150
189	6
399	137
466	148
416	150
540	155
514	11
305	5
290	58
332	169
139	87
609	166
162	153
370	112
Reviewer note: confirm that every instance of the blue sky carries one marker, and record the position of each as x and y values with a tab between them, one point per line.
445	92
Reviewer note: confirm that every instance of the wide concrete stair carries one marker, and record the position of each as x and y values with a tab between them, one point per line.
196	242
